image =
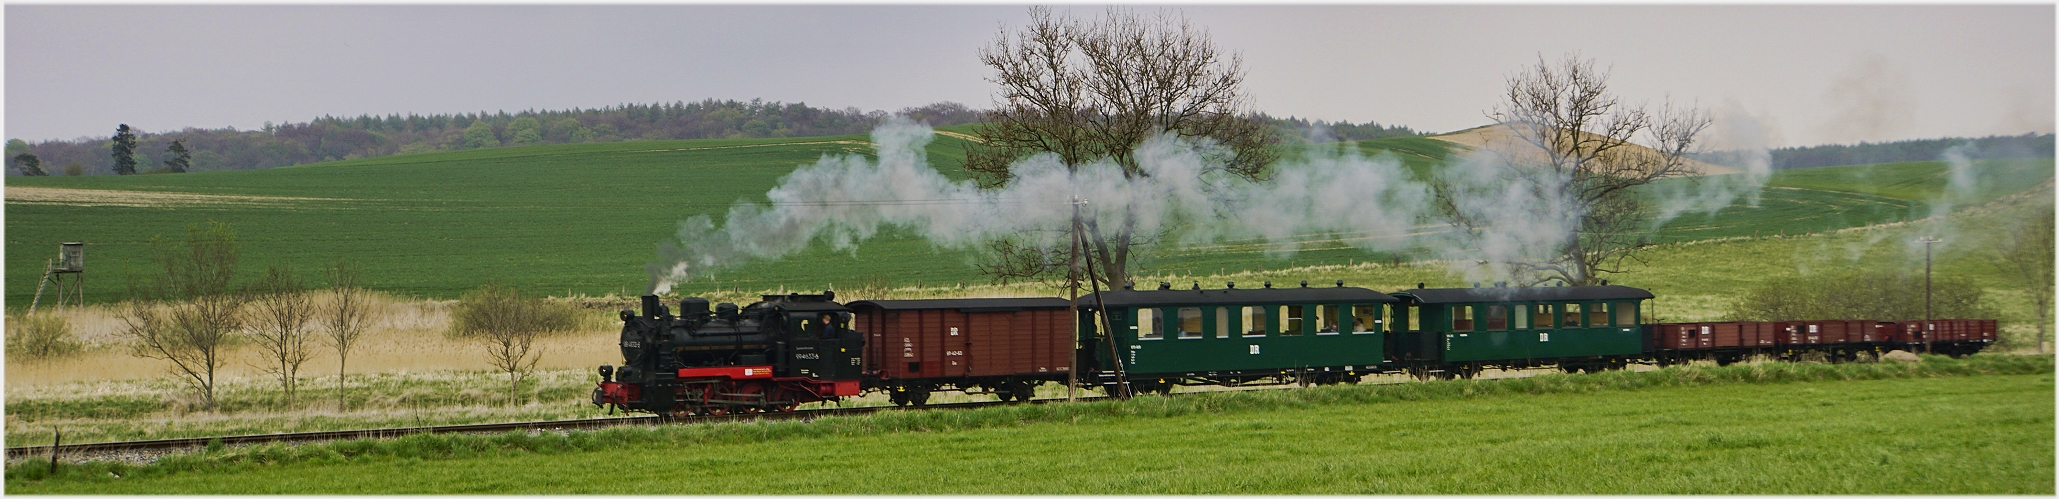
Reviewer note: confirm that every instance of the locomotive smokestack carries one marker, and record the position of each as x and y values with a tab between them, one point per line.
650	307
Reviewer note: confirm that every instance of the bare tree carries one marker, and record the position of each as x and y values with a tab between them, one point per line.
346	316
2026	253
507	324
189	313
280	315
1574	142
1092	91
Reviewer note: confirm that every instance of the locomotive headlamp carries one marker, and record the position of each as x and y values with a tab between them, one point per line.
607	373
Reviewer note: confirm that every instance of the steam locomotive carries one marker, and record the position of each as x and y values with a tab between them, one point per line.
773	355
793	349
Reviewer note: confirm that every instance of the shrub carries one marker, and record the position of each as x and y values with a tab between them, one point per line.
1887	295
508	324
40	336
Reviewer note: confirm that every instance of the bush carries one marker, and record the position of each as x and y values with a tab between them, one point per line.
481	312
1880	295
40	336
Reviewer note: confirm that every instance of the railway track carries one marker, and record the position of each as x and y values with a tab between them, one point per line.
93	449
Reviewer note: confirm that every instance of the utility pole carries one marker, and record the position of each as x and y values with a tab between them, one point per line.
1927	327
1072	280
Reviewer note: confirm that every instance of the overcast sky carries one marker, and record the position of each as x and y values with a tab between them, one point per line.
1806	75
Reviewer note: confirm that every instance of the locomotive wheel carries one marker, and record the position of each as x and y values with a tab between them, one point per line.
785	401
751	394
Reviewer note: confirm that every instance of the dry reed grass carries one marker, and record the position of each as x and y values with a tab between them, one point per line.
409	336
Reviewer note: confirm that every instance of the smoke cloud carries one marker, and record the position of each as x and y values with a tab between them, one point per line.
847	199
1516	215
1747	142
1183	194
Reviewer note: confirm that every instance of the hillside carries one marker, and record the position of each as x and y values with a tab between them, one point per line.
1503	138
585	218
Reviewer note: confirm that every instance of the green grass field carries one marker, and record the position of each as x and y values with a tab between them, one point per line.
1976	426
586	218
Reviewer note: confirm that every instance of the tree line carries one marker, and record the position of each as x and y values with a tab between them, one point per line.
329	138
2026	146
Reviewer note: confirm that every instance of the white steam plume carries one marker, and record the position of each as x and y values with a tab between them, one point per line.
846	199
1517	215
1747	141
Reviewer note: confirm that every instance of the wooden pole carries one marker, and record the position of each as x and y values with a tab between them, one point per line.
55	442
1072	280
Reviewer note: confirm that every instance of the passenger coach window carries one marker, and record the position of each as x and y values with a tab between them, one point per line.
1255	321
1326	319
1596	315
1290	320
1148	320
1572	315
1542	318
1626	314
1190	322
1522	316
1461	318
1497	317
1415	317
1222	322
1365	318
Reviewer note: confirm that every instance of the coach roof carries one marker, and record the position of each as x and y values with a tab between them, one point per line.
1238	296
1523	294
964	304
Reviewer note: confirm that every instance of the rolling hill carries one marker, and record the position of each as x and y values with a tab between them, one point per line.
586	218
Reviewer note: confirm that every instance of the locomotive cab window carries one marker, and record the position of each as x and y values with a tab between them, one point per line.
1365	318
1326	319
1148	320
1290	320
1190	323
1461	318
1255	322
1497	317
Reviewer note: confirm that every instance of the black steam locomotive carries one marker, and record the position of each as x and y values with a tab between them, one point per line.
773	355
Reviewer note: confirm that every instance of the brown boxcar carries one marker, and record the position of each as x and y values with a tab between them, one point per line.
1724	334
1799	333
966	338
1759	334
1680	336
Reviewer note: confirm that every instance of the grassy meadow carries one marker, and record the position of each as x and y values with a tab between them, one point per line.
1981	425
584	219
579	221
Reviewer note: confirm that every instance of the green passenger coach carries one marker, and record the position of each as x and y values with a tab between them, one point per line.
1236	336
1460	331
